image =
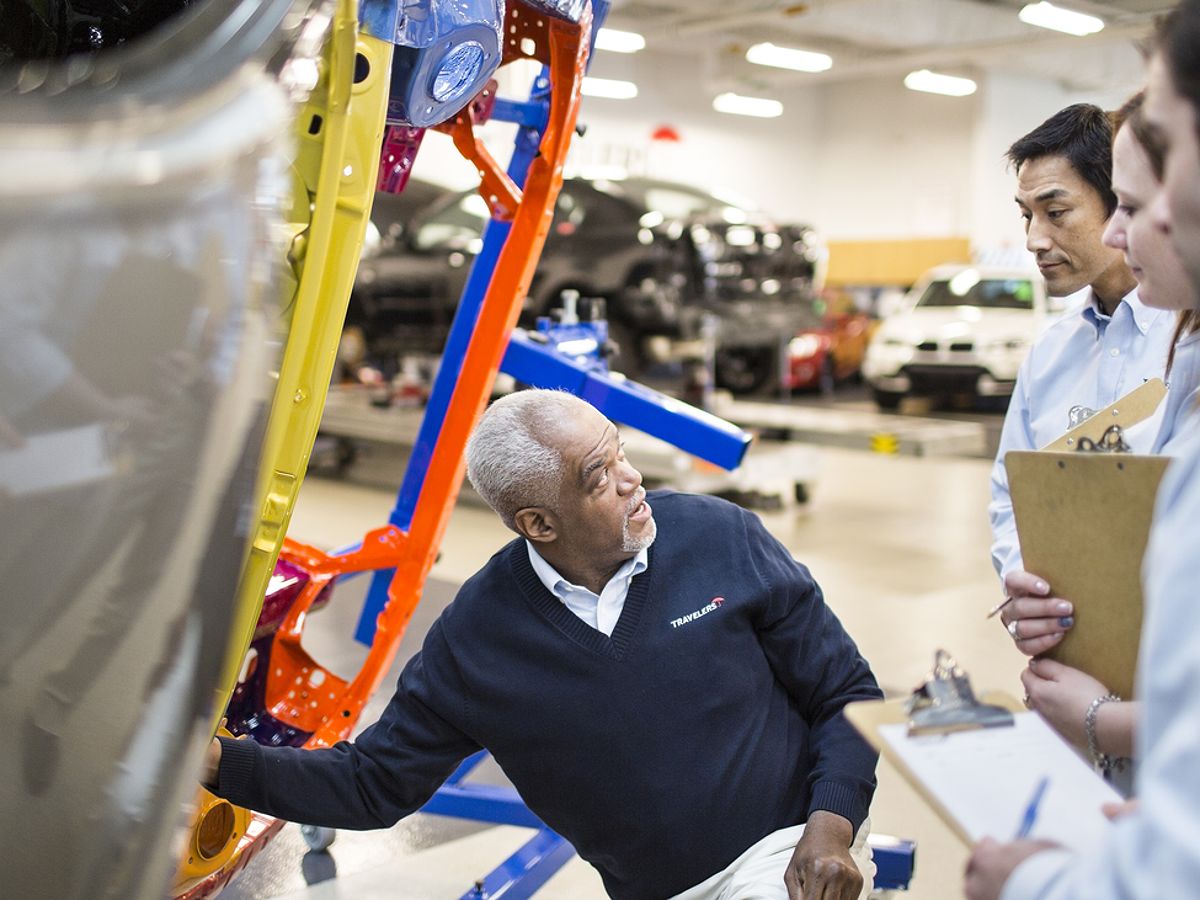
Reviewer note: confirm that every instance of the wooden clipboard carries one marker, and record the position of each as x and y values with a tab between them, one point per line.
984	791
1083	520
1127	411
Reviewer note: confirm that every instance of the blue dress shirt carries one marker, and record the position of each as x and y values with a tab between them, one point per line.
1084	358
602	610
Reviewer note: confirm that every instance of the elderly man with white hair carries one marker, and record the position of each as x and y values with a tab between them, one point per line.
657	676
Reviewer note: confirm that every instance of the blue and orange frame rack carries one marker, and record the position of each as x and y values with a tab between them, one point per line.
481	343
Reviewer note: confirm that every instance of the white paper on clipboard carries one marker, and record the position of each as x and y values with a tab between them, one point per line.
983	780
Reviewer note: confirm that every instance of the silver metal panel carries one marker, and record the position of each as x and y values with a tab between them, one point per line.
139	204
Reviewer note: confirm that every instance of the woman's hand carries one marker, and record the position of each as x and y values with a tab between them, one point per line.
1035	620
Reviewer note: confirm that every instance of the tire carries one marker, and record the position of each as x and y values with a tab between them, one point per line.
317	838
888	401
744	370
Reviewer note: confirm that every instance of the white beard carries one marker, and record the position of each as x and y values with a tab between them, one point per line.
630	544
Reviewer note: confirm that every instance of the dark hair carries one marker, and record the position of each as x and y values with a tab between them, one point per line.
1082	134
1178	40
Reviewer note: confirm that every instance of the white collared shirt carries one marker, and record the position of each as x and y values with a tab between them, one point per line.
600	611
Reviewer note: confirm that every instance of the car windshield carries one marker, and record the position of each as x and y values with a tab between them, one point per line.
971	290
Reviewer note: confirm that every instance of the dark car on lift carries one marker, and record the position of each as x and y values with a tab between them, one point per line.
661	255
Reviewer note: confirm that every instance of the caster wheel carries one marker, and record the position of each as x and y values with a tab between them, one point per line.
318	838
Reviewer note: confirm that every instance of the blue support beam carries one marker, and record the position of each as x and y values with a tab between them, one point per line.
519	876
482	803
628	402
527	114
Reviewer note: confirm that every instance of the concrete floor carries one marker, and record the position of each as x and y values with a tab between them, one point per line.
900	547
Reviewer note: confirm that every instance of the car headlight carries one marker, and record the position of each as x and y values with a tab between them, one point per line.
803	345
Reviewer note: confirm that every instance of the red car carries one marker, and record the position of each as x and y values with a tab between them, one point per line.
825	354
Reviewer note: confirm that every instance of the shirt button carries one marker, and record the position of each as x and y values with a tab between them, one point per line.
1114	352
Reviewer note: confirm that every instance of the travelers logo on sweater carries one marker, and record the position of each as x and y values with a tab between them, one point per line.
702	611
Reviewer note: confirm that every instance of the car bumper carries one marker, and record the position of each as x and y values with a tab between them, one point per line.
923	380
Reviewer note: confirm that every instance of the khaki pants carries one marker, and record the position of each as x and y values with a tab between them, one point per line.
758	873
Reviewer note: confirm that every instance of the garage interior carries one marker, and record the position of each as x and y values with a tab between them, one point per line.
884	498
897	541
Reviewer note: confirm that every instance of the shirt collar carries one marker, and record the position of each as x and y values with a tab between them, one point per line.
1143	315
557	585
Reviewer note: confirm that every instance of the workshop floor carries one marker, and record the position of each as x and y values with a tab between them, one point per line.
900	547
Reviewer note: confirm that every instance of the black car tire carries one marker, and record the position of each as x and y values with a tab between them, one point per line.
744	370
888	401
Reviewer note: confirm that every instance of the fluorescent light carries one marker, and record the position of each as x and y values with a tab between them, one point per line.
935	83
737	105
1047	15
608	88
788	58
619	41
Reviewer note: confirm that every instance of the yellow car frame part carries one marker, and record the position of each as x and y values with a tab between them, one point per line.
338	136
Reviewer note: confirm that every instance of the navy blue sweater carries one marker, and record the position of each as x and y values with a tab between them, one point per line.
709	719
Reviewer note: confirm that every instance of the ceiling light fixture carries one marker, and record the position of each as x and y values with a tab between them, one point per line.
619	41
608	88
788	58
1047	15
737	105
936	83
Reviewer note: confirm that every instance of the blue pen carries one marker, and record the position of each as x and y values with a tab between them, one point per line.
1031	810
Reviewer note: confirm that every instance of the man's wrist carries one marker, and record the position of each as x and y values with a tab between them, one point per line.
834	825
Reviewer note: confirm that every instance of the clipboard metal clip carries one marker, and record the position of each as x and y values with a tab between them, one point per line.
946	702
1111	441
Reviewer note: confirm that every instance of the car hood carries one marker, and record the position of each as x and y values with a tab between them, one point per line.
960	323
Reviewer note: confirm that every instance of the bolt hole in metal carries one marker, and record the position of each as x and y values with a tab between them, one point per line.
215	831
362	68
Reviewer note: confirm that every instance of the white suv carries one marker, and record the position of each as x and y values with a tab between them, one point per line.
962	329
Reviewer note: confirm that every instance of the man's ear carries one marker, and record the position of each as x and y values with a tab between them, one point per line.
537	524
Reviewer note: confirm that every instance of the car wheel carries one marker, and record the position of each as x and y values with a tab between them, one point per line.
743	370
318	838
888	401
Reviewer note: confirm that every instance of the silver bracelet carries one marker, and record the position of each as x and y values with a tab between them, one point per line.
1102	761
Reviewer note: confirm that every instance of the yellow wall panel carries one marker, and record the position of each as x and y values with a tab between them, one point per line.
892	262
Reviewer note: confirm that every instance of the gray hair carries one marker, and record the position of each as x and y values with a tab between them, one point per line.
508	460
